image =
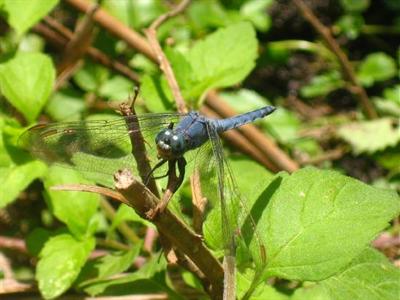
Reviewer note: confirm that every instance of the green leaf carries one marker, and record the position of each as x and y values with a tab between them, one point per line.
156	94
75	209
27	81
116	88
222	59
355	5
317	222
24	14
36	240
108	265
127	213
350	25
376	67
255	12
60	262
371	136
143	281
91	76
65	105
263	291
321	85
370	276
16	178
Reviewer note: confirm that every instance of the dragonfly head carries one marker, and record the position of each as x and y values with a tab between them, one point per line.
170	144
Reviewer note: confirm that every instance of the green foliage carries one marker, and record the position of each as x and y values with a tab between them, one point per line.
72	208
317	221
22	15
60	262
315	225
371	136
376	67
26	81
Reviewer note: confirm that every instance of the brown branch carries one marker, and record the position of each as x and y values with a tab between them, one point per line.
142	200
165	66
347	69
76	47
115	27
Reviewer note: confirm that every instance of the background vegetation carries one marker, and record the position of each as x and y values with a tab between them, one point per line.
332	69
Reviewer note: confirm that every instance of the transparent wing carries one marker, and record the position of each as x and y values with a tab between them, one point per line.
96	146
239	234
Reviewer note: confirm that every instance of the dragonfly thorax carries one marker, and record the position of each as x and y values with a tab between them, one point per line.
170	144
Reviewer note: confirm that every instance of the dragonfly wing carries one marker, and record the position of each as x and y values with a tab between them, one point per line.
95	146
238	227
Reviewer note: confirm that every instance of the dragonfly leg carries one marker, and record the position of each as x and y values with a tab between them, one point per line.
174	182
158	165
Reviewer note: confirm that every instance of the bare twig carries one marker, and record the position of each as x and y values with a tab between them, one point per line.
348	71
76	47
165	66
142	200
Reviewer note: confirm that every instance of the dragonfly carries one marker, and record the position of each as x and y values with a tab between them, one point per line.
101	147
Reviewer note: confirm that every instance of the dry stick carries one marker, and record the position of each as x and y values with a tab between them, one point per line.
76	47
165	66
114	26
136	41
343	60
263	144
142	200
60	41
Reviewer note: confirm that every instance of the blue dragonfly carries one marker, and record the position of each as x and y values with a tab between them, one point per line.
101	147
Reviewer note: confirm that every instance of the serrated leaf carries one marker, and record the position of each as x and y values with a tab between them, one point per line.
371	136
15	179
24	14
75	209
376	67
27	81
222	59
370	276
317	222
60	262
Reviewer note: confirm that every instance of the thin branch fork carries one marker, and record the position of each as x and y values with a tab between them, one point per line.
348	71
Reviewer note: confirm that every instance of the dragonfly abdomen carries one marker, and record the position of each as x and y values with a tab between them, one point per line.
237	121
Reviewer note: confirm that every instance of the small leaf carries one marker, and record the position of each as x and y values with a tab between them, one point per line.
15	179
75	209
370	276
27	81
106	266
376	67
24	14
222	59
321	85
116	88
317	222
355	5
60	262
156	93
255	12
371	136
